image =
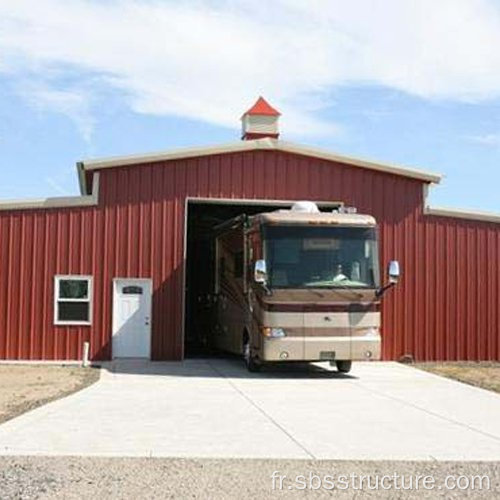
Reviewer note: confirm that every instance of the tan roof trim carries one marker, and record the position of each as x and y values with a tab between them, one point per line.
258	144
359	162
457	213
476	215
56	202
257	201
81	178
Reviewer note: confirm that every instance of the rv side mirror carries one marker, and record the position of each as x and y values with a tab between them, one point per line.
393	271
260	272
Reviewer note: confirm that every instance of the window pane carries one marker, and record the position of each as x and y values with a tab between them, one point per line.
73	311
132	290
73	289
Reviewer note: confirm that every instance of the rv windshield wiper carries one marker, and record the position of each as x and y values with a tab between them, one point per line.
340	286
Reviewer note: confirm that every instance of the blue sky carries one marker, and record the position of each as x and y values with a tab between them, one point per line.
413	83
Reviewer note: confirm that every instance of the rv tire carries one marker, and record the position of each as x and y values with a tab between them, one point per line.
344	366
250	362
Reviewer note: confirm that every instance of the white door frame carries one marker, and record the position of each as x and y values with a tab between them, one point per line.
132	281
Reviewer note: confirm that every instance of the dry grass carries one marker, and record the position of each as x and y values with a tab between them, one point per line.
483	374
24	387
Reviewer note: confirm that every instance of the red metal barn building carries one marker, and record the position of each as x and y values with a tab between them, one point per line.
61	258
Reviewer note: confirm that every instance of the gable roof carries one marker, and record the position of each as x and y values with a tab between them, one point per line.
266	144
262	107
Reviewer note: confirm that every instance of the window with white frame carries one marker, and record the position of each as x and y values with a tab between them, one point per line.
73	300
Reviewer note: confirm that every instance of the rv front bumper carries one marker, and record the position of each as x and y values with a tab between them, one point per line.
321	348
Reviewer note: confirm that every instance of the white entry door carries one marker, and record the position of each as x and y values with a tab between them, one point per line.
132	318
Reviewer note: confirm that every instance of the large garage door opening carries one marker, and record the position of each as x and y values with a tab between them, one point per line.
200	293
200	300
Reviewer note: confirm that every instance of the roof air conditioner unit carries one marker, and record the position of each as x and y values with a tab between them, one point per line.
305	207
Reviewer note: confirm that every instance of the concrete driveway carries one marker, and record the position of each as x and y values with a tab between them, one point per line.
214	408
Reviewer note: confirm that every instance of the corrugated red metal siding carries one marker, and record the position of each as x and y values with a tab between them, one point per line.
446	306
34	247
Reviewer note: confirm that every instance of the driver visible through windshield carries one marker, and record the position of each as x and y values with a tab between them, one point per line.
321	257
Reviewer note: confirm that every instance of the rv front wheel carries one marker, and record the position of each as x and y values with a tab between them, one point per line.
344	366
250	362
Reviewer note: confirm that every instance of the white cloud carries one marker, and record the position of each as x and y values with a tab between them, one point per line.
57	187
73	103
487	139
206	60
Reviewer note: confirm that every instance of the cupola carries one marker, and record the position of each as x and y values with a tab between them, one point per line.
260	121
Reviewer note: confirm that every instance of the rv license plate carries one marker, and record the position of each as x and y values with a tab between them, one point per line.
327	355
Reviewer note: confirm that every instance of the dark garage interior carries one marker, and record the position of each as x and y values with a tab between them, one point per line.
200	298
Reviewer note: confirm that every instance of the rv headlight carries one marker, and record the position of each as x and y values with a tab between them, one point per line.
372	332
273	333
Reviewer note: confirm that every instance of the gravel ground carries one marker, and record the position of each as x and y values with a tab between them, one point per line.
485	374
130	478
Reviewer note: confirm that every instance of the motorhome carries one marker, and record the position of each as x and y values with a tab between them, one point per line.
299	285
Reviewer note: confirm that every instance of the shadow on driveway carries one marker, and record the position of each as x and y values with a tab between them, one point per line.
223	367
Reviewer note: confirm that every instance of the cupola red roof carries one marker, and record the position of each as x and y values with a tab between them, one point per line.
262	107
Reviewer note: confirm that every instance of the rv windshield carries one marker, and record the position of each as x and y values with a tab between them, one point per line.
321	257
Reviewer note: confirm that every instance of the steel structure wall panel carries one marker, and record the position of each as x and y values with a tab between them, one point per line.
445	307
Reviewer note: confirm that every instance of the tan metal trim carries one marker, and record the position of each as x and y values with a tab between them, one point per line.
184	277
178	154
258	144
81	178
461	214
47	362
359	162
458	213
256	201
55	202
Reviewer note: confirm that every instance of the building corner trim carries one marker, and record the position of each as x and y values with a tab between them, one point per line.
458	213
56	202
